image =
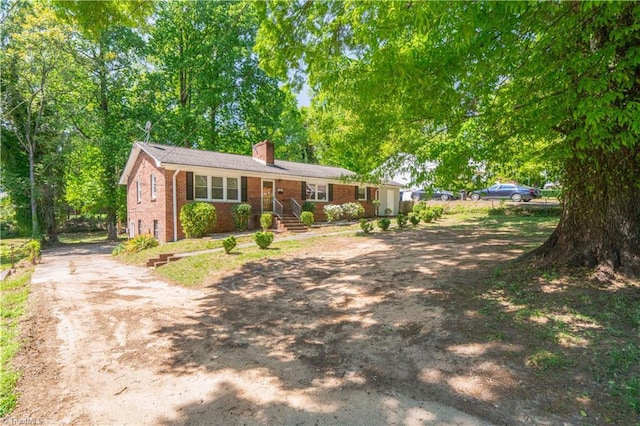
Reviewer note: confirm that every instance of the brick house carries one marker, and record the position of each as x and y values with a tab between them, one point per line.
161	179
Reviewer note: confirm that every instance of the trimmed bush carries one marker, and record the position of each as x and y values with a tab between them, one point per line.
366	226
333	212
414	219
266	221
402	220
306	218
229	244
427	215
198	219
263	239
419	206
309	206
352	210
438	211
384	223
241	215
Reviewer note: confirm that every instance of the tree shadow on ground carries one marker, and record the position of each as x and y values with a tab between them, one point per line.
395	316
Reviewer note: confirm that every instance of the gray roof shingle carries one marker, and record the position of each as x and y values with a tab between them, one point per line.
192	157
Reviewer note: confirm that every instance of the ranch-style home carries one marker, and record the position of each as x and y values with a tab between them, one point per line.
161	179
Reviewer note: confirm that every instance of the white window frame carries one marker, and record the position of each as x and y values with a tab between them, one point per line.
224	184
365	193
195	187
315	191
138	191
154	187
225	188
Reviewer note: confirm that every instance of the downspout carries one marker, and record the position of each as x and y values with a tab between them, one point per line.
175	207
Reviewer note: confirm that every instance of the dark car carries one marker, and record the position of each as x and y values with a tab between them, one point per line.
513	191
434	194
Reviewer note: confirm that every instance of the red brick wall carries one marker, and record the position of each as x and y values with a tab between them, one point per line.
161	209
147	210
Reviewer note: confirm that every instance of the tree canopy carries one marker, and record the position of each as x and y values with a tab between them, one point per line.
490	84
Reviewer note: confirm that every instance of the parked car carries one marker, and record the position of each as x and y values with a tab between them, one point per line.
514	191
551	185
434	194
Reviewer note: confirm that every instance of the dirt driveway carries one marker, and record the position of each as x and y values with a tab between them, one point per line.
357	331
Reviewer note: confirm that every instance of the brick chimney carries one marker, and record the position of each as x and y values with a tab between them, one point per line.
263	151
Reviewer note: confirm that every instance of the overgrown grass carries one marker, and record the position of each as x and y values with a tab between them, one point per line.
13	296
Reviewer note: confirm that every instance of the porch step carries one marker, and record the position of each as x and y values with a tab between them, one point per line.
290	223
162	259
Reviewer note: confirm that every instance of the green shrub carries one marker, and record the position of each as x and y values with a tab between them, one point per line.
426	215
352	210
309	206
263	239
135	244
402	220
266	221
198	219
383	223
414	219
419	206
366	226
117	250
438	211
32	251
306	218
241	215
229	244
333	212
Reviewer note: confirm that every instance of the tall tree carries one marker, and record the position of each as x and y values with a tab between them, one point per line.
562	75
36	81
107	47
204	80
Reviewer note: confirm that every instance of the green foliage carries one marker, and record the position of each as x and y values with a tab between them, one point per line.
438	211
241	215
333	212
263	239
13	297
352	210
118	250
306	218
384	223
266	221
550	99
365	225
135	245
32	251
419	206
198	219
414	218
401	220
427	215
309	206
229	244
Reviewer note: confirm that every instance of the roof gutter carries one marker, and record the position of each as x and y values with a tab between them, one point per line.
175	206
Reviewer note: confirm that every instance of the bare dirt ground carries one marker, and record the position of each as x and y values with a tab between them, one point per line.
365	330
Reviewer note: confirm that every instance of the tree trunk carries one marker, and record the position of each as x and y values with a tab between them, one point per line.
600	222
35	226
112	229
